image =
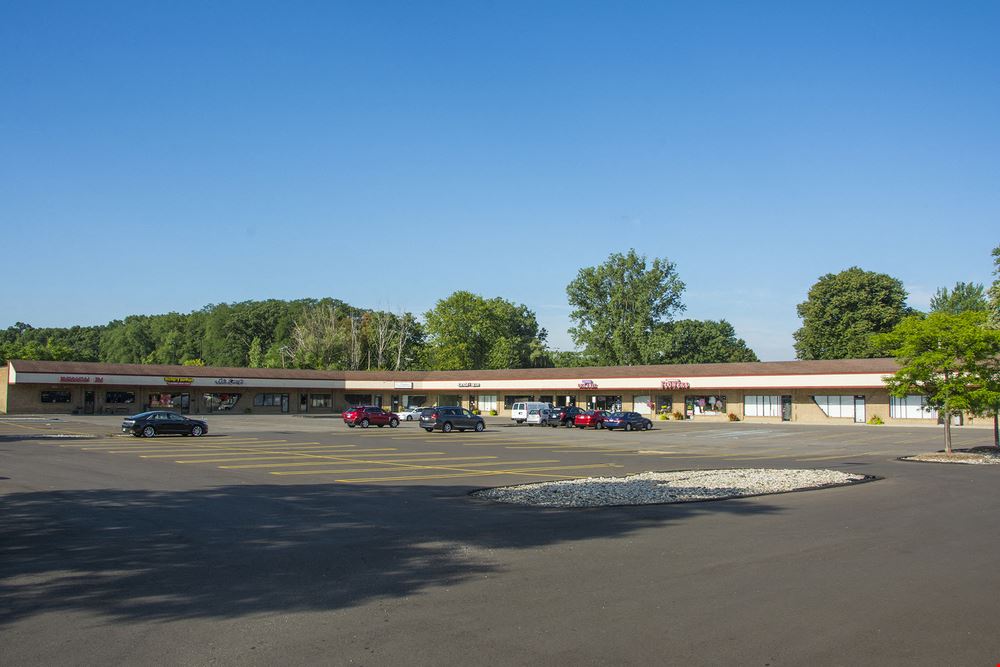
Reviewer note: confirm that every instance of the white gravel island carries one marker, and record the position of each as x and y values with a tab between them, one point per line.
653	488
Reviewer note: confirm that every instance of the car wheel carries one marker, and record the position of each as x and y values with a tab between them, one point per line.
599	425
447	427
409	418
196	430
148	432
350	426
628	427
429	430
364	423
480	427
393	423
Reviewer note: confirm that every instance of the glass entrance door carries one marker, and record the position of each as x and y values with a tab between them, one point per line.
303	402
859	409
88	402
786	408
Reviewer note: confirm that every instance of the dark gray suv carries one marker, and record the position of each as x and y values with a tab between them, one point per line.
450	418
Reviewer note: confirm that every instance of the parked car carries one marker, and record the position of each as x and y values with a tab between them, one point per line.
537	416
563	416
449	418
162	422
409	414
593	418
370	415
519	411
627	421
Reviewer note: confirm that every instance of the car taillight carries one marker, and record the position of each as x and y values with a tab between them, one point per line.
434	415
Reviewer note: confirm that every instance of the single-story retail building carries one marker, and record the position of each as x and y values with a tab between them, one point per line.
836	391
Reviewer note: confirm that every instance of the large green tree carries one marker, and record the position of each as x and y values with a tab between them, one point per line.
963	298
700	342
619	305
994	294
844	310
467	331
952	360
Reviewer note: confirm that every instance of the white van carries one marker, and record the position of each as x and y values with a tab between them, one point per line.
519	411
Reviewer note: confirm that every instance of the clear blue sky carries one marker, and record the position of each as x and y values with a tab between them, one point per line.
159	156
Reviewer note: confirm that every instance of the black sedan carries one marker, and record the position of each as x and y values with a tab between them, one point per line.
162	422
627	421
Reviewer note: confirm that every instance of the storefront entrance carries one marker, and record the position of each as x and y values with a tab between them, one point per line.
88	402
607	403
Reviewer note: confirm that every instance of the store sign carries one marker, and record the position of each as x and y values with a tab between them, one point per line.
463	385
173	380
675	384
228	381
402	385
85	379
587	384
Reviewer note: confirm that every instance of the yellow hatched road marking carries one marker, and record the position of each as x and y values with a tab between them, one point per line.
197	448
844	456
526	472
326	457
143	444
421	459
242	452
381	463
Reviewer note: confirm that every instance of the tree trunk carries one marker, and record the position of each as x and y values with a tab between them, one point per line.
947	433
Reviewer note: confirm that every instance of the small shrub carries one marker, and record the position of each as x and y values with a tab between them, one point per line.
876	420
476	412
678	415
663	416
493	413
246	411
733	417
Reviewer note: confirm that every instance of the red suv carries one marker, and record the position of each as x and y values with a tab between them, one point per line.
369	415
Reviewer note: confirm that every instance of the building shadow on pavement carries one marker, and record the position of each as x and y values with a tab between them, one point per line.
230	551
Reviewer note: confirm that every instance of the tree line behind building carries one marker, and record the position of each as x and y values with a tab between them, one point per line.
625	312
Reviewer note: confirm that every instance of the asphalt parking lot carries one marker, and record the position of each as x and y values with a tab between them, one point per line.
293	540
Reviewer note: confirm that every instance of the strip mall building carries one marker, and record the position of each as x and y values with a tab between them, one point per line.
840	391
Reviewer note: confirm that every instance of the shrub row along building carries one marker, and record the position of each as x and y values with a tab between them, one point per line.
838	391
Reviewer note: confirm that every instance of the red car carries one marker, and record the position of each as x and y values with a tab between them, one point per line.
593	418
369	415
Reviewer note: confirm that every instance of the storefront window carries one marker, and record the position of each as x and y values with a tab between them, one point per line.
911	407
119	397
221	402
486	402
642	404
705	405
358	399
321	401
547	399
836	406
413	400
56	397
664	405
509	401
609	403
762	406
449	399
565	401
165	401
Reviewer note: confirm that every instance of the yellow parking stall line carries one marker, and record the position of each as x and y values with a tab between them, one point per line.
292	455
381	463
429	459
39	428
523	472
